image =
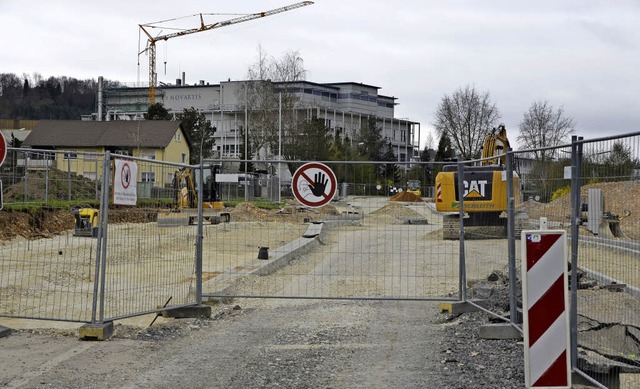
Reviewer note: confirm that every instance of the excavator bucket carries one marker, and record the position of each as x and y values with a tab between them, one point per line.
173	219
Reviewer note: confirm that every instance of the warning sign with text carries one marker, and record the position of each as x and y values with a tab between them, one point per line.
124	182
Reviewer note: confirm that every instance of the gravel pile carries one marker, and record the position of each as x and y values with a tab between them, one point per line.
470	362
396	210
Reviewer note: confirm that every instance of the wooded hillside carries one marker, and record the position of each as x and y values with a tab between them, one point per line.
33	97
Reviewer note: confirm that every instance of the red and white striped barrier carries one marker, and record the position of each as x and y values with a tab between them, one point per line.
546	310
439	192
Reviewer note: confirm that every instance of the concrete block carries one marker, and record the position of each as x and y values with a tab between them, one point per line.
188	312
499	331
460	307
96	331
4	331
313	230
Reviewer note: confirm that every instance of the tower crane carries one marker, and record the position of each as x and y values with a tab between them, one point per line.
151	40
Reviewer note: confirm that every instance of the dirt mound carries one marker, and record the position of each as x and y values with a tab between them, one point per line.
248	212
406	197
245	212
619	197
396	210
53	184
34	225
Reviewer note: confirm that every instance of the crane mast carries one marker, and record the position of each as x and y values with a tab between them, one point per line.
151	40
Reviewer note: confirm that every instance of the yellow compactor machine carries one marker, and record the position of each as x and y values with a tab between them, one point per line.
87	221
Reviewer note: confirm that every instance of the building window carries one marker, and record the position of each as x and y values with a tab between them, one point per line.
184	158
71	155
177	137
148	177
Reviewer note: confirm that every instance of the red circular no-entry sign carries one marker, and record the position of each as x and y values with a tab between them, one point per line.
125	176
3	148
314	184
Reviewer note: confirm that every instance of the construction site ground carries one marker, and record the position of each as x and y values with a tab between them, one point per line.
603	305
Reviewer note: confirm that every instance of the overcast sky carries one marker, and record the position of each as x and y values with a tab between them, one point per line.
581	55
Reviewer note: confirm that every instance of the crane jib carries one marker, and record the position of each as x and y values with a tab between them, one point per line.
202	27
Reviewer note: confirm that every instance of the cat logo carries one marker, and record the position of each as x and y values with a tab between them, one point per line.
475	189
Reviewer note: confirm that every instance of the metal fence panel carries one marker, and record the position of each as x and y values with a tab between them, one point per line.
370	247
373	241
608	277
147	265
44	176
44	274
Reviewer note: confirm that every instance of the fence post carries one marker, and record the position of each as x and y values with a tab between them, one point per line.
69	174
511	239
26	176
46	177
462	292
576	174
96	170
199	236
101	245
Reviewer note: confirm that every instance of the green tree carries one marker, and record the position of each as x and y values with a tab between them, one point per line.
389	173
444	153
618	164
157	111
422	171
371	145
311	142
198	129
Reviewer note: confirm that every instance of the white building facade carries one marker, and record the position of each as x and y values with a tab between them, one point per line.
344	107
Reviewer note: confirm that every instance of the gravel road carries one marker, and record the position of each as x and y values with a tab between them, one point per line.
274	344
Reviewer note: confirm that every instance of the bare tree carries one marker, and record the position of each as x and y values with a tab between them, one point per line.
466	117
263	96
542	126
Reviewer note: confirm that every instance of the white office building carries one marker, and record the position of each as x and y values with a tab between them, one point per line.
344	107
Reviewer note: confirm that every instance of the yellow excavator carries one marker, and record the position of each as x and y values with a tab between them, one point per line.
185	206
484	192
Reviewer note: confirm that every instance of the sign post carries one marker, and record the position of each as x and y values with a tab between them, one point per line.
314	184
547	354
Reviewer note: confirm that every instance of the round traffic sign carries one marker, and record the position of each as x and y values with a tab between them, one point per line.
314	184
125	176
3	148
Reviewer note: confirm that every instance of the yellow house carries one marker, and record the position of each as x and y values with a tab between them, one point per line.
78	146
